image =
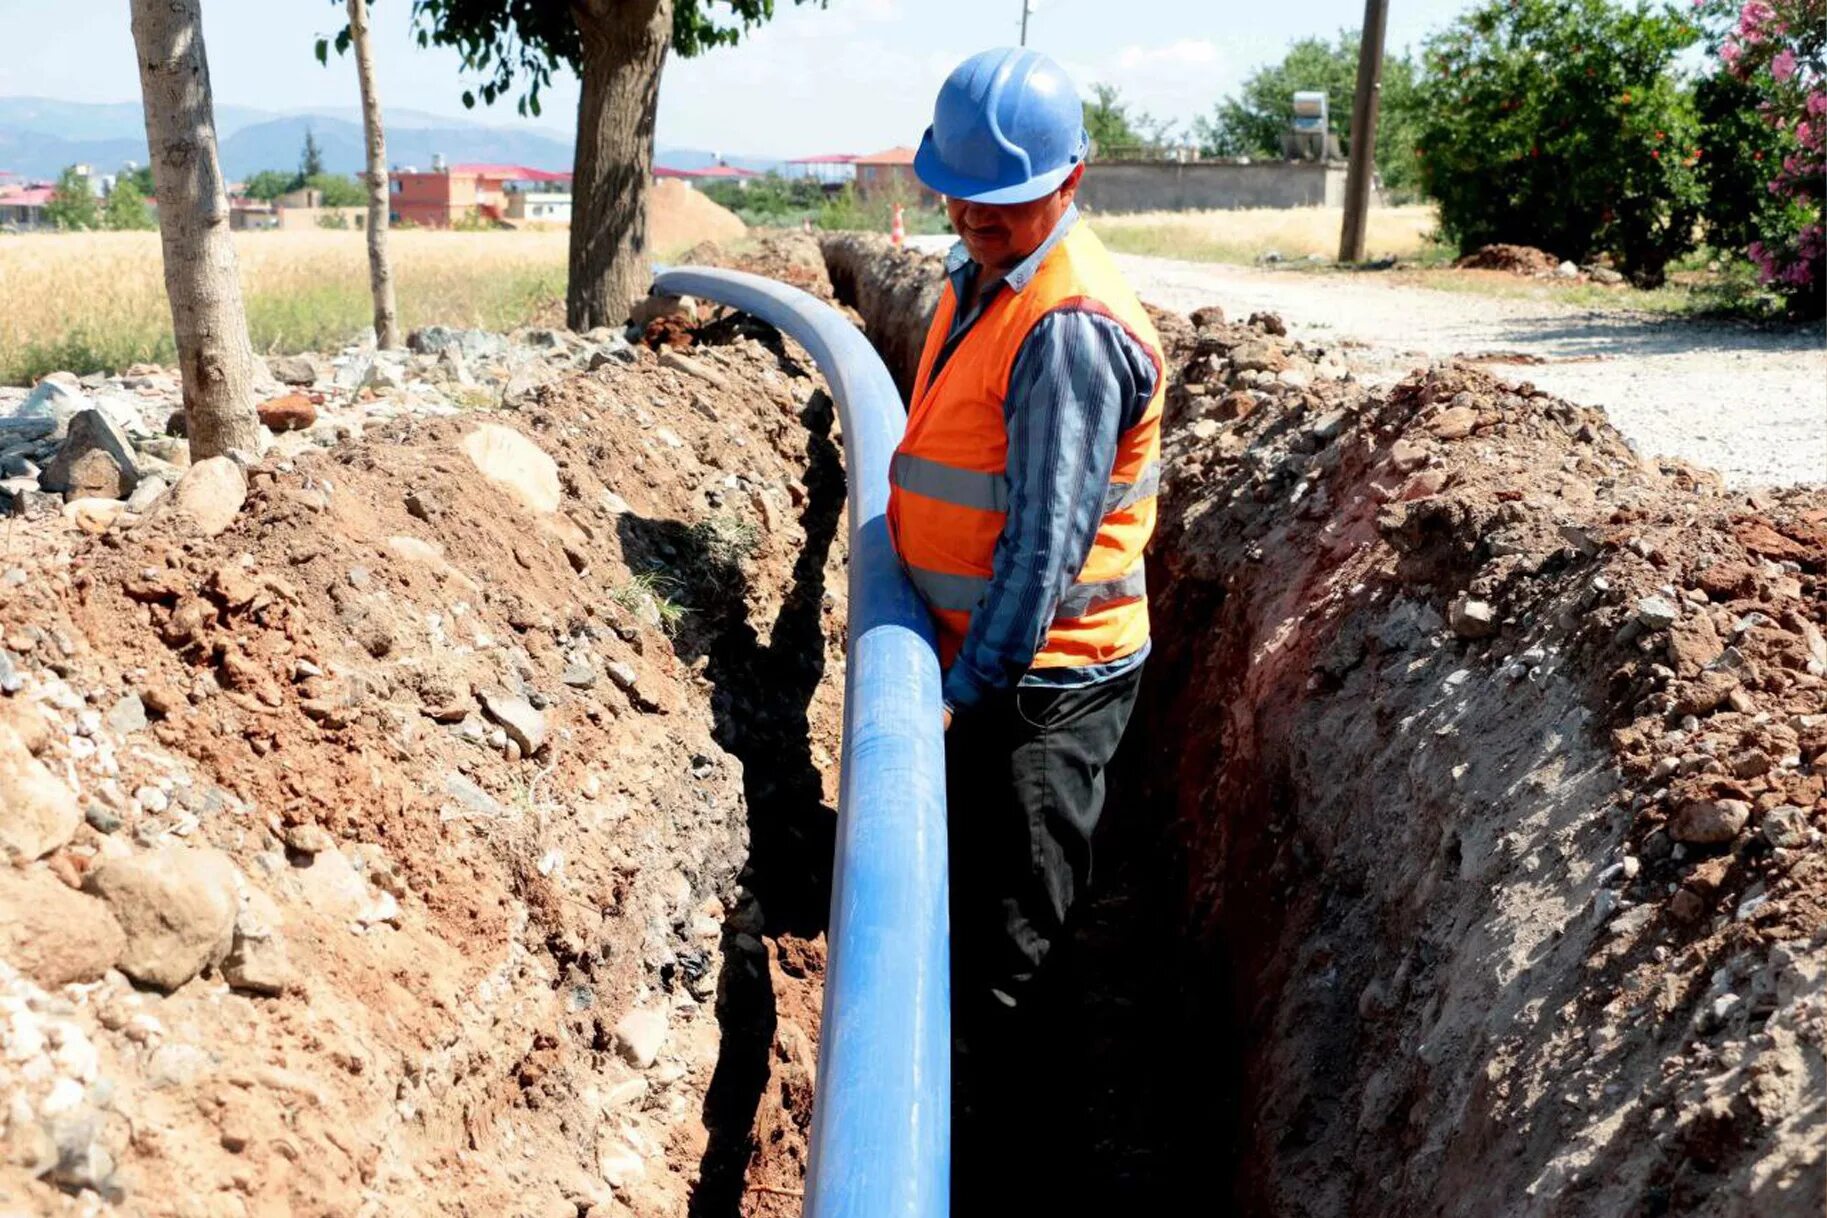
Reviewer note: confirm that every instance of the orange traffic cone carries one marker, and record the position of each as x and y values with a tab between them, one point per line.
898	233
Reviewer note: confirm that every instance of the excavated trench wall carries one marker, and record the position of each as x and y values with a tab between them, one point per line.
1480	764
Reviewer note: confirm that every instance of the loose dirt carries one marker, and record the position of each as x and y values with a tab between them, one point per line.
678	216
513	783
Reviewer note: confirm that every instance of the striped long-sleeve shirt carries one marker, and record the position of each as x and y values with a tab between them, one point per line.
1079	381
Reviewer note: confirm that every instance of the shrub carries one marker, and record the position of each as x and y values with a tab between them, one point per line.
1773	69
1561	124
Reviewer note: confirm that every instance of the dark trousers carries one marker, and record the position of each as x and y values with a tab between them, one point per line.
1024	789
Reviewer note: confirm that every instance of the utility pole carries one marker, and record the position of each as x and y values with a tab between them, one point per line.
1027	7
1364	106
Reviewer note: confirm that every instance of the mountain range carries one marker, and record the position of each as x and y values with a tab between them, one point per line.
40	136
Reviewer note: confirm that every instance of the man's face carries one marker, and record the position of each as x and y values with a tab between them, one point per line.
1000	236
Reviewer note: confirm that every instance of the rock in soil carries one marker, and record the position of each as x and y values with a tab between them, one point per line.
209	495
96	460
53	934
177	905
38	813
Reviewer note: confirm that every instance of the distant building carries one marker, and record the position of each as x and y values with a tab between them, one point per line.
710	173
461	193
246	213
831	170
539	207
22	207
889	174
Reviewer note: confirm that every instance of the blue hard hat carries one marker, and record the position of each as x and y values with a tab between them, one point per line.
1007	128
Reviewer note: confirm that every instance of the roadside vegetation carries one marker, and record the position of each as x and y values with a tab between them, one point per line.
96	300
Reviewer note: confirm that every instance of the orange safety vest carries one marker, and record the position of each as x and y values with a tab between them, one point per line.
949	494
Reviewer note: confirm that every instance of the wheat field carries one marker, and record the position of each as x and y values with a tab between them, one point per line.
96	301
1247	234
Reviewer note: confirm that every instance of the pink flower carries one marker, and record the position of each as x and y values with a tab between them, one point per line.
1817	103
1730	52
1783	66
1802	132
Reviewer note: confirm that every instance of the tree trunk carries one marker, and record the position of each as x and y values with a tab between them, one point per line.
380	271
214	356
624	49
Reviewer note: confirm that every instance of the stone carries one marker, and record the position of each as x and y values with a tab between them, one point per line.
309	838
259	963
96	460
1258	357
291	370
292	412
516	464
1471	619
624	676
1785	826
1656	612
383	375
1709	822
453	368
58	398
38	813
93	515
52	933
209	495
127	715
1604	275
146	492
639	1037
177	905
524	725
579	675
1455	423
1693	643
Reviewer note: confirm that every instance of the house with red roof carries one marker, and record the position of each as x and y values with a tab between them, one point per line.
467	191
889	174
22	207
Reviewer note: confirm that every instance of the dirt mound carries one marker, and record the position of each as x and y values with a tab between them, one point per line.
439	825
1500	755
1515	259
678	216
783	254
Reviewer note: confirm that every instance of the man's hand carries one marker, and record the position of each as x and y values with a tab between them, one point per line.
948	718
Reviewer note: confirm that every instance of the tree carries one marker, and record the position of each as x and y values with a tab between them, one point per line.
617	48
269	184
310	158
1251	121
380	270
141	176
337	189
126	207
1562	124
215	358
72	204
1113	128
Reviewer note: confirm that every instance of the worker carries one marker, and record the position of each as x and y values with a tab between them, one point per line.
1023	495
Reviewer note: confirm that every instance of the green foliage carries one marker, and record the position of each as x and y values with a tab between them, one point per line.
509	41
1113	128
770	200
847	211
333	220
1251	121
1561	124
1740	152
269	184
310	158
73	204
126	206
142	180
338	189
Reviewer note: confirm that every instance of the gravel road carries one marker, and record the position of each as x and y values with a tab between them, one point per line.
1751	404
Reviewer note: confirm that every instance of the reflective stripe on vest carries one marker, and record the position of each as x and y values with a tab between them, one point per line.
949	493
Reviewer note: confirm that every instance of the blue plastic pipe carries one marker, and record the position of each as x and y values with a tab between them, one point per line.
881	1121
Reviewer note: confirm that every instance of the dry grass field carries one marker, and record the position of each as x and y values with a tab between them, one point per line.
96	301
1245	235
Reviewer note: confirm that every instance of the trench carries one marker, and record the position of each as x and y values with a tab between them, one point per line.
1136	1105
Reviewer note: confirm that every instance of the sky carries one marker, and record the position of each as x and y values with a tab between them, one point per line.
856	76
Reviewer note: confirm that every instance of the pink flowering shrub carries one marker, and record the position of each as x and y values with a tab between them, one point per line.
1777	51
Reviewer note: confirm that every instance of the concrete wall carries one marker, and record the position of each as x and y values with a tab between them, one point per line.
1118	186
